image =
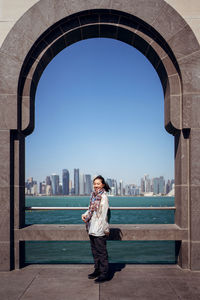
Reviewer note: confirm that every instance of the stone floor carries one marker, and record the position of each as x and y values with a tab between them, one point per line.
59	282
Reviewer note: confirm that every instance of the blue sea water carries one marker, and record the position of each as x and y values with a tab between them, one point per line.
117	216
118	251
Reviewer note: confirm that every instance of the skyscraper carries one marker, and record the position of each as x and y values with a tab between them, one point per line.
82	184
172	184
115	185
31	186
76	181
60	189
109	181
48	180
127	190
156	185
65	182
55	184
168	186
147	183
42	188
70	186
121	189
142	185
48	186
88	184
161	185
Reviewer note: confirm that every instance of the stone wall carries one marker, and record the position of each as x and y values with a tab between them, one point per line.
155	29
12	10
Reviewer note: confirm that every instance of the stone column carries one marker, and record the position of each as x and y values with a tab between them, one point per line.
19	180
6	203
19	194
182	191
195	198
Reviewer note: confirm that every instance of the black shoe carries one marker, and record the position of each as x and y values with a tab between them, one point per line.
93	275
101	278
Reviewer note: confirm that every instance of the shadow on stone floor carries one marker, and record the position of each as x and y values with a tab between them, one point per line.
113	268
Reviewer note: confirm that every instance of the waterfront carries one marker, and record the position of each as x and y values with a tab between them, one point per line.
117	217
119	251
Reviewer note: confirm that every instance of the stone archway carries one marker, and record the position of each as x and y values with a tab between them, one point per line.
156	30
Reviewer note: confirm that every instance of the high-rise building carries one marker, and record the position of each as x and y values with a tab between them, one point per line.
132	189
113	191
172	184
60	189
156	186
31	186
145	184
161	185
65	182
82	184
109	181
48	186
70	187
48	190
151	185
48	180
136	191
121	187
30	180
42	188
34	189
76	181
88	184
55	184
113	182
127	190
142	185
168	186
115	186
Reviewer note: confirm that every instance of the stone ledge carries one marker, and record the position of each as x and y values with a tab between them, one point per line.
125	232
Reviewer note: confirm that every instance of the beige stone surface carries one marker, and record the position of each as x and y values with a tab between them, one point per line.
125	282
186	8
12	10
194	23
190	11
5	27
124	232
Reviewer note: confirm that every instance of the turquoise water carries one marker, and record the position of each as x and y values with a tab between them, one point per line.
119	251
137	252
117	216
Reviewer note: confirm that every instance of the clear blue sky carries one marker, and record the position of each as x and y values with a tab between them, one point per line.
100	108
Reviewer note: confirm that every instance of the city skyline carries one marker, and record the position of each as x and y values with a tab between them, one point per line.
100	106
82	185
59	174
